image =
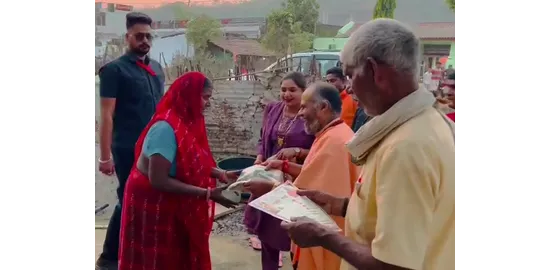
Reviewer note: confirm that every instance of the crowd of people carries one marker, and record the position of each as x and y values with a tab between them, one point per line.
370	146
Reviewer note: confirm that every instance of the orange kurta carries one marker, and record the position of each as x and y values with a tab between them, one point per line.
328	168
349	107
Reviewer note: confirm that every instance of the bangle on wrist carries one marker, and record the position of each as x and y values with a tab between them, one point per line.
208	198
105	161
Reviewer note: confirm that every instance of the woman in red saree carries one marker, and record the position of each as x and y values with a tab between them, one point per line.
168	208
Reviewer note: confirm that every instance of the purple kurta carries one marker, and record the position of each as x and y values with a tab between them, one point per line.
266	227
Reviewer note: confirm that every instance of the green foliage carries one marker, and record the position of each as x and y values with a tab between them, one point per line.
292	27
304	11
202	29
299	39
384	9
279	23
450	3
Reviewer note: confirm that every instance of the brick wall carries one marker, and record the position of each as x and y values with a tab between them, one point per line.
235	116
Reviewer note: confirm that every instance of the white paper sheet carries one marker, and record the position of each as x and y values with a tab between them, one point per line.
255	172
283	203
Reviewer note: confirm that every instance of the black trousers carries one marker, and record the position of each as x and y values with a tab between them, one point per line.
123	163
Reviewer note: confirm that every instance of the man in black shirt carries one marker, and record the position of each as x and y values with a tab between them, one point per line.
130	88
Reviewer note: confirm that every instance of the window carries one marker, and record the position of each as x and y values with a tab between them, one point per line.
326	65
100	19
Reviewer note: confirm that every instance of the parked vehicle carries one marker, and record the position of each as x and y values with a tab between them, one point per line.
325	60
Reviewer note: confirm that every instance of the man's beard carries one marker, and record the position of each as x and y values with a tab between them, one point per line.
312	128
140	52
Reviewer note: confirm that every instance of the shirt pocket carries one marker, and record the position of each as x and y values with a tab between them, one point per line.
366	210
138	89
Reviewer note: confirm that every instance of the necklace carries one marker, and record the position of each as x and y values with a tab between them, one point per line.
281	135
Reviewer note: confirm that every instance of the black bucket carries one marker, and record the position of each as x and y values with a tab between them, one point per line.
236	163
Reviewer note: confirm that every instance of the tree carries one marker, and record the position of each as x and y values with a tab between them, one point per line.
202	29
279	24
450	3
291	28
384	9
300	40
304	11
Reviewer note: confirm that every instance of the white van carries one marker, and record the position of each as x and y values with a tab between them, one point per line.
326	60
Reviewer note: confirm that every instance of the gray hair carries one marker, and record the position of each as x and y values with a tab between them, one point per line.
325	92
387	41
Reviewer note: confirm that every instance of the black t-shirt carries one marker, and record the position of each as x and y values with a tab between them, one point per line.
137	93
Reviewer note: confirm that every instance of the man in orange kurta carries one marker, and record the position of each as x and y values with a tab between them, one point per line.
336	77
327	167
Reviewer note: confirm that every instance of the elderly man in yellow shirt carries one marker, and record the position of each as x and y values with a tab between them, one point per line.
401	214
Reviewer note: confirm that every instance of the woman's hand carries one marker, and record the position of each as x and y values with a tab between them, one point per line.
232	176
106	167
216	196
258	187
258	160
288	153
229	177
273	164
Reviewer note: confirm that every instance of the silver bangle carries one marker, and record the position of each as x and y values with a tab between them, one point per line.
105	161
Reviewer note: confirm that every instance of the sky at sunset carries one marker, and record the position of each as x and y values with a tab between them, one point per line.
155	3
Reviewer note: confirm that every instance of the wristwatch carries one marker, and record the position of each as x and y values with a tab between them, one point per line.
297	150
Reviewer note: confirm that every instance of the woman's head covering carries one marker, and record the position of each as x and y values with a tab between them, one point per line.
184	97
181	108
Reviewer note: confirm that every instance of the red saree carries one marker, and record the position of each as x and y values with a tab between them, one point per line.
164	231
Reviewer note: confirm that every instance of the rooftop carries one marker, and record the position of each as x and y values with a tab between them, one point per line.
242	47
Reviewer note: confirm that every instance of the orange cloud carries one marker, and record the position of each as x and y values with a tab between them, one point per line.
155	3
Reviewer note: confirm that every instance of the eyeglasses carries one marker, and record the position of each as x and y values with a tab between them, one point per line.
141	36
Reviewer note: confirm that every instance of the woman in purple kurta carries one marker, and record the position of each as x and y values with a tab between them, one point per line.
282	133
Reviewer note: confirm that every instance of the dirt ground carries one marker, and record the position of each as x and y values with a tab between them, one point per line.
228	253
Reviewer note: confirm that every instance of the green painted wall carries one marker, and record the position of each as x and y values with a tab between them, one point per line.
322	44
451	56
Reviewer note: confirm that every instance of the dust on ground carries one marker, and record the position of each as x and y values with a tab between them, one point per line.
230	249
